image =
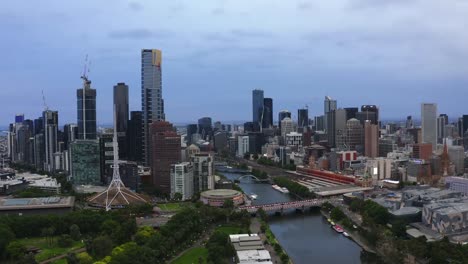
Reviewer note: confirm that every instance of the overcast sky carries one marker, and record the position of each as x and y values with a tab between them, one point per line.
392	53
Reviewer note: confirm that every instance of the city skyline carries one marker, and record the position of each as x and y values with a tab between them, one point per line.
391	65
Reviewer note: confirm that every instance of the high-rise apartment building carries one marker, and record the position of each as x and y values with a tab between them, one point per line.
50	119
329	105
287	126
442	121
429	124
203	171
354	134
257	106
85	163
121	113
166	150
86	110
151	95
182	180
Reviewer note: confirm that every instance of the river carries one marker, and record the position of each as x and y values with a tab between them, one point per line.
307	238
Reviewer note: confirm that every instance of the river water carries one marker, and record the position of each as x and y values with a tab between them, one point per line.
307	238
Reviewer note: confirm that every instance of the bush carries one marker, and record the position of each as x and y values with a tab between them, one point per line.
284	258
65	241
277	248
16	250
337	214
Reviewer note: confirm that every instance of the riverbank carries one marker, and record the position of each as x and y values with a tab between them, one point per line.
354	236
255	228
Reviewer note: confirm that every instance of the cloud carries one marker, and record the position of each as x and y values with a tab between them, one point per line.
251	33
138	33
360	4
304	6
218	11
135	6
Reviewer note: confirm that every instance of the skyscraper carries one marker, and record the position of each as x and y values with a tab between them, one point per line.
257	106
50	119
281	115
151	95
166	151
135	137
465	124
70	134
86	102
267	113
191	129
302	117
329	105
409	122
429	124
442	121
204	127
368	112
371	139
121	112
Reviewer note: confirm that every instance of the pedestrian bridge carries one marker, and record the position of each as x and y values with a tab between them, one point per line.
279	207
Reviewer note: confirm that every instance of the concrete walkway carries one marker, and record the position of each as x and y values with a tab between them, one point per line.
63	256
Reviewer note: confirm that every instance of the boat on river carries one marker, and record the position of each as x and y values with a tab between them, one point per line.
253	196
345	234
338	228
280	189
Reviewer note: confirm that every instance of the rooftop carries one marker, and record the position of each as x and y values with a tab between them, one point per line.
220	193
253	255
36	203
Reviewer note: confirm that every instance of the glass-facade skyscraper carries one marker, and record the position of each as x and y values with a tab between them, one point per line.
121	116
267	121
151	95
86	105
257	106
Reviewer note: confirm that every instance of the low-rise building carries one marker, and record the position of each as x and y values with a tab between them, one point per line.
446	218
44	205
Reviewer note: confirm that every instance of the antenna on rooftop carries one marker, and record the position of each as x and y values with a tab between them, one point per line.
46	107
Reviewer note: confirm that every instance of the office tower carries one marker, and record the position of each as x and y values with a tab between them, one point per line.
257	106
85	163
19	118
251	127
286	126
70	134
409	122
221	141
422	151
319	123
166	150
135	137
302	117
354	134
22	143
329	105
121	111
442	121
182	180
339	129
457	157
86	110
331	136
203	171
30	125
50	119
368	112
151	95
281	115
351	112
204	127
38	125
267	120
429	124
371	137
464	125
191	130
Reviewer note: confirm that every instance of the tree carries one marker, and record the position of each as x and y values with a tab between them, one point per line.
75	233
177	196
6	236
101	247
15	250
284	258
109	227
229	206
337	214
247	156
72	258
84	258
356	205
28	259
399	228
65	241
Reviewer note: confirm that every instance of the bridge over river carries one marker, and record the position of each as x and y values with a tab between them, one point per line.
280	207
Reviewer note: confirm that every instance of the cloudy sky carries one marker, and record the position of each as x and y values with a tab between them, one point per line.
393	53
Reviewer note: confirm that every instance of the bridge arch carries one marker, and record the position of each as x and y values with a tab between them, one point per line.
246	176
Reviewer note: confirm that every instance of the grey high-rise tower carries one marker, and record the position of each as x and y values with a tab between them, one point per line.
50	137
86	102
329	105
257	106
267	120
302	117
282	115
121	116
442	121
429	124
151	95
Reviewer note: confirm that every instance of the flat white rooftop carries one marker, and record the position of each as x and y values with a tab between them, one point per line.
246	256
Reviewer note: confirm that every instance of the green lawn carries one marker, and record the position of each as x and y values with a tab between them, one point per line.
229	230
48	251
60	261
191	256
173	206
